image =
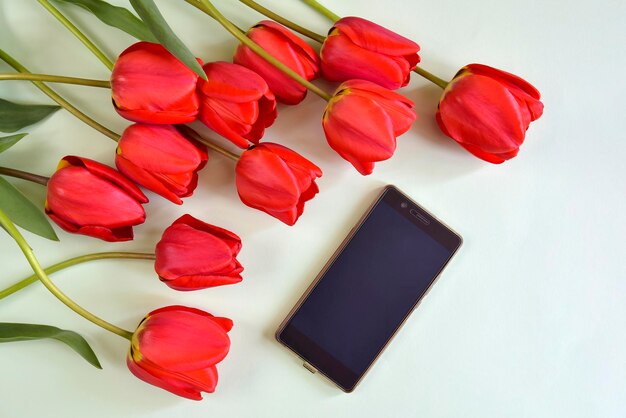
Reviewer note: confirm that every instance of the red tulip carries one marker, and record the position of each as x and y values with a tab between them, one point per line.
195	255
276	180
161	159
176	348
151	85
292	51
236	103
359	49
487	111
362	121
90	198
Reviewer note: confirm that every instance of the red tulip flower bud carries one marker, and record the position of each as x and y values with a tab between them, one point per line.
195	255
359	49
289	49
276	180
362	121
161	159
151	85
487	111
176	348
236	103
90	198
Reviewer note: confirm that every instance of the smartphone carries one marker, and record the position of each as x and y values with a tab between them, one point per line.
369	287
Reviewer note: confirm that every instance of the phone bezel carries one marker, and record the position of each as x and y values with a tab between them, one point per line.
428	223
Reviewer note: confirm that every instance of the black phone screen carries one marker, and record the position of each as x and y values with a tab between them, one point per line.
372	286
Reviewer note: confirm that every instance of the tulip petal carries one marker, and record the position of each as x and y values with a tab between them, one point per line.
103	233
519	87
238	116
479	111
156	377
213	120
182	341
371	36
359	129
107	173
197	282
303	49
204	254
343	60
151	85
161	148
398	107
82	198
227	236
232	82
264	181
146	179
286	90
293	159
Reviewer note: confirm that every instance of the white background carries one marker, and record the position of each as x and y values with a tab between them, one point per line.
529	320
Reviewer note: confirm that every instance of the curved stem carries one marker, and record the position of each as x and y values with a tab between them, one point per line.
207	7
186	130
81	36
24	175
56	79
57	98
72	262
43	277
431	77
322	9
283	21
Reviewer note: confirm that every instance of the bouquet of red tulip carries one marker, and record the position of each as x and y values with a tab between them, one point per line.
161	87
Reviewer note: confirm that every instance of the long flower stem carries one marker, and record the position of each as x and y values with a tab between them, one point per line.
334	17
283	21
57	98
43	277
72	262
81	36
186	130
431	77
56	79
24	175
207	7
322	10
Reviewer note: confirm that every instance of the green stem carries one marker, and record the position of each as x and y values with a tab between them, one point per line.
56	79
72	262
207	7
57	98
283	21
322	9
431	77
186	130
43	277
24	175
81	36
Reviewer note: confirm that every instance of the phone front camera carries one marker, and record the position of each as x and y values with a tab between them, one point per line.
404	205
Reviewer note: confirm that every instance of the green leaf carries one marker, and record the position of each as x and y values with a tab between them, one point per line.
150	14
10	332
14	116
115	16
23	212
7	142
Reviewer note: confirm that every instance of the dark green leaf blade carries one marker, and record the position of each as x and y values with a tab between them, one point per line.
7	142
23	212
10	332
14	116
150	14
116	16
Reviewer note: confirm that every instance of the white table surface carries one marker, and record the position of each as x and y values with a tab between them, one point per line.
529	320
